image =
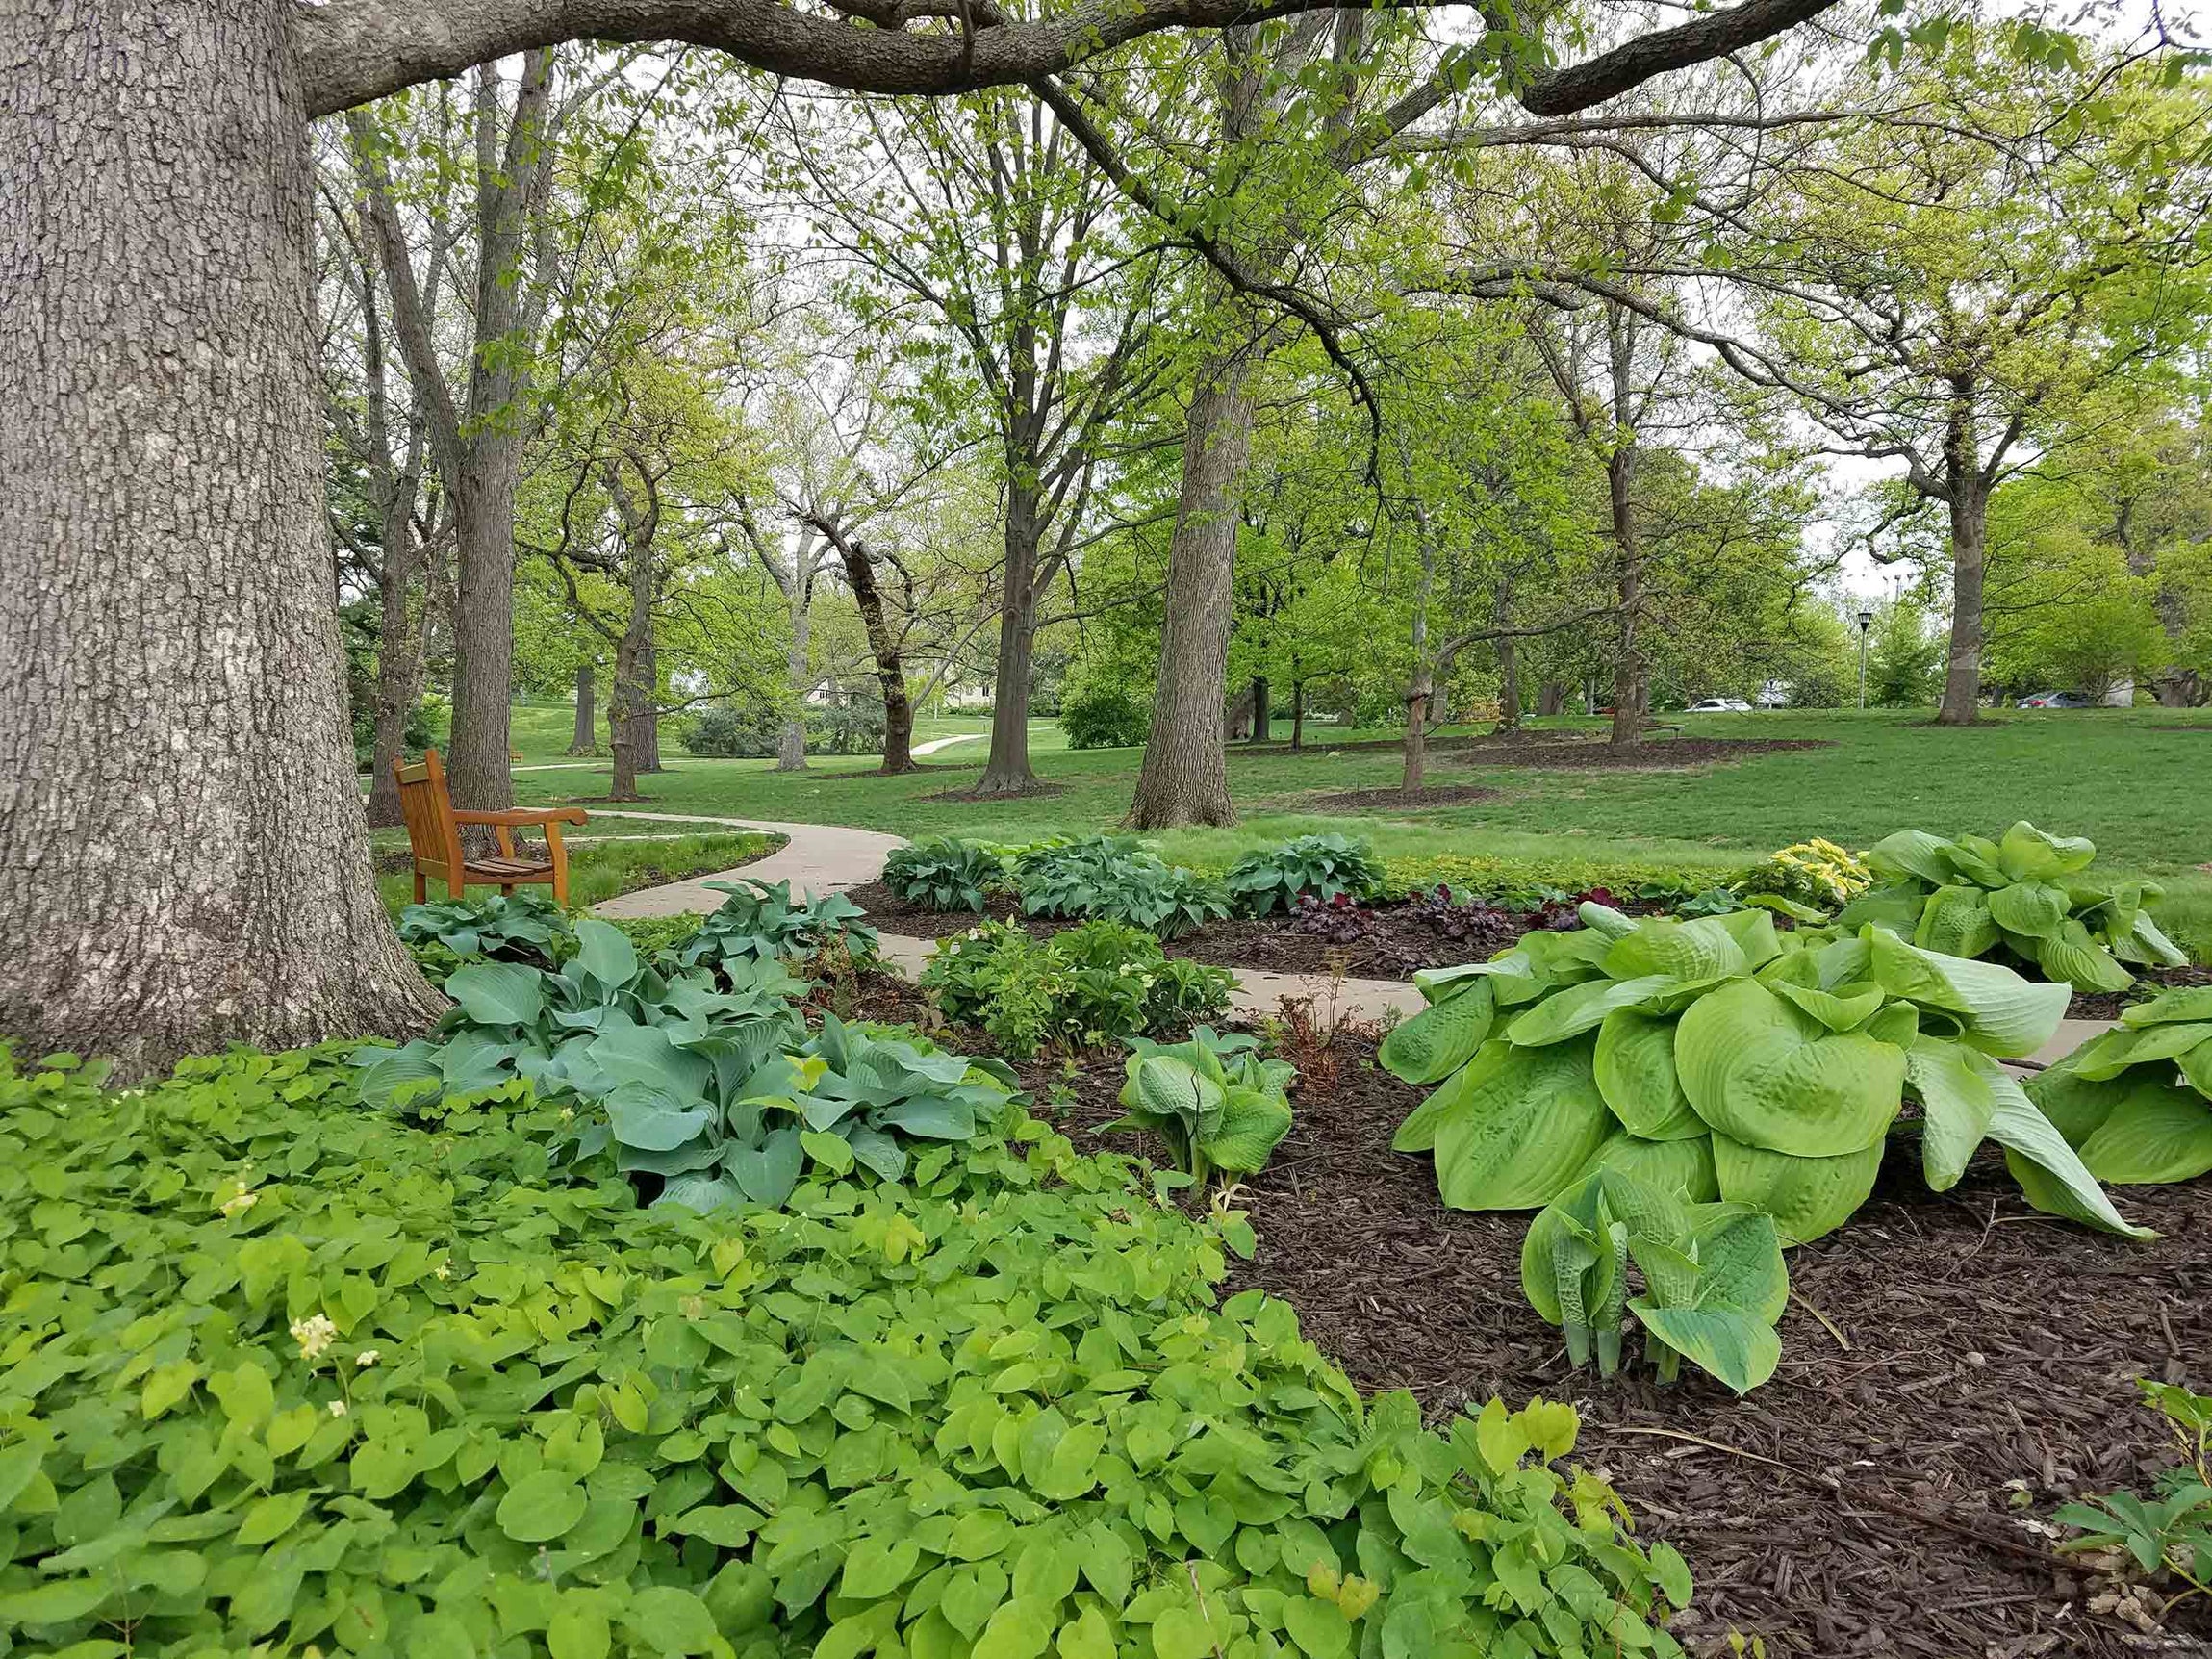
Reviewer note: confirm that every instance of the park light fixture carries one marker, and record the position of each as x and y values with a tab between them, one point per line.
1866	622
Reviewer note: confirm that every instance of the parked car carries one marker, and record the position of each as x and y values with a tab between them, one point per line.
2059	700
1719	705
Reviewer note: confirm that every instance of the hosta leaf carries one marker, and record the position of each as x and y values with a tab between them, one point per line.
2113	1052
1956	1106
2146	942
1739	1260
1912	852
1735	1347
2027	853
1253	1123
2035	909
1839	1012
1897	907
1701	949
2001	1013
1956	921
1516	1135
1578	1008
2072	956
1807	1196
1441	1038
2153	1136
604	952
1679	1166
2049	1172
1563	1273
2191	1003
650	1120
1633	1066
1761	1072
498	993
1605	919
766	1174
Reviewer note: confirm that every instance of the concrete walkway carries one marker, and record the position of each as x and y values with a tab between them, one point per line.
937	743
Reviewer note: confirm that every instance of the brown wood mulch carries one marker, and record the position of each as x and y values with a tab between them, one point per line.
1384	799
1655	754
2150	982
1882	1495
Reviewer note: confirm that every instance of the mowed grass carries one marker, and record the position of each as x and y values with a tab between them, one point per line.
2138	782
605	870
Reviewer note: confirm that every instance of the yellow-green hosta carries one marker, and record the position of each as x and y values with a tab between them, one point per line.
2136	1102
1723	1059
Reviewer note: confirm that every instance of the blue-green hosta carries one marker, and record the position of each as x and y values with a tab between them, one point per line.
1324	867
1216	1102
1723	1059
1713	1279
2025	891
2136	1102
760	921
279	1378
524	926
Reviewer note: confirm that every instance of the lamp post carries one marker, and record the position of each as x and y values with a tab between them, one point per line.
1866	622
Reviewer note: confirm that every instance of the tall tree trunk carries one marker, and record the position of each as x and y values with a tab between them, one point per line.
398	671
1008	770
181	848
1263	709
884	646
1551	697
1417	734
1184	777
479	768
623	725
586	740
1509	661
1627	672
1297	714
648	706
1962	677
790	752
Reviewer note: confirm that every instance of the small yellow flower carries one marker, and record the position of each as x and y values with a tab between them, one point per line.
445	1270
338	1408
366	1358
314	1336
238	1202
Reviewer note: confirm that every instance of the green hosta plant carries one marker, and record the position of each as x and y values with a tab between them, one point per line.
1714	1279
521	927
1114	877
2136	1101
2026	892
761	922
1726	1060
1273	879
1091	984
943	874
1216	1102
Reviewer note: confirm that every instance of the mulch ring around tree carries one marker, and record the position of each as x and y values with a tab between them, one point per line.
1890	1498
1379	941
1035	792
1384	800
1653	754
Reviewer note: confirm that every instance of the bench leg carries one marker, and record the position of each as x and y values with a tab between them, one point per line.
559	855
422	888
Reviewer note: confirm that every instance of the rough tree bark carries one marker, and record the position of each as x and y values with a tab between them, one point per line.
1628	672
1263	709
884	646
1185	777
1297	714
1008	770
791	751
1509	660
183	857
1551	697
586	740
1968	502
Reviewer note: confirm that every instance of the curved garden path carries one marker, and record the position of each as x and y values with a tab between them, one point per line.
830	858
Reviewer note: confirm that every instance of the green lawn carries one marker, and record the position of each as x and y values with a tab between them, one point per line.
605	870
2136	781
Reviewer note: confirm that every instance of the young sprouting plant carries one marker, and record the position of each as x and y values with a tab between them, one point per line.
2171	1532
1714	1279
1211	1098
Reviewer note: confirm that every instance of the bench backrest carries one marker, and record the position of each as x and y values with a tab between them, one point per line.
432	835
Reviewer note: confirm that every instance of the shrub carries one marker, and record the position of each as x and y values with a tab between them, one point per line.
2136	1101
758	921
1113	877
1325	867
1817	872
284	1376
943	874
726	732
1103	715
1212	1098
2026	893
523	926
851	726
1526	882
1092	984
1721	1059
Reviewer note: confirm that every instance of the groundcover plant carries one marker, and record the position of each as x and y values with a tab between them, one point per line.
1723	1059
278	1373
2136	1102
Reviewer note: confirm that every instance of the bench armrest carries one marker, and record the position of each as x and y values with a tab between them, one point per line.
525	818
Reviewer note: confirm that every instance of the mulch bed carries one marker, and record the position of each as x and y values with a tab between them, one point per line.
1990	1376
1652	754
1429	795
2150	982
1037	792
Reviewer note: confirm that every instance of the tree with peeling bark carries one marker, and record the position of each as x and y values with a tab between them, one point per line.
198	873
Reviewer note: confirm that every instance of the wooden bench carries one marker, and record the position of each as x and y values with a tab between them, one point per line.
434	837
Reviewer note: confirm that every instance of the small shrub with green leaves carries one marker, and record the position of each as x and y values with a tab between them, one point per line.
1713	1279
943	874
2136	1101
1817	873
521	927
2169	1533
1272	878
2026	892
1089	985
1721	1058
282	1377
761	922
1105	715
1113	877
1212	1098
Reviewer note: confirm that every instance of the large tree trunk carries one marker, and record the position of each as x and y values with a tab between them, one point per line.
1297	714
1008	770
884	646
1628	673
1509	662
479	767
790	752
1416	734
648	706
1962	677
586	740
622	725
1263	709
183	859
398	671
1185	777
1551	697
